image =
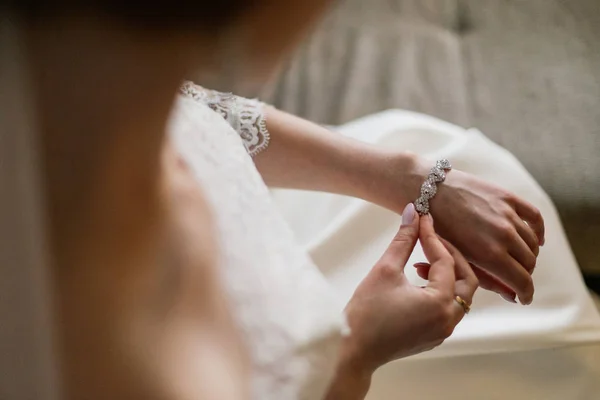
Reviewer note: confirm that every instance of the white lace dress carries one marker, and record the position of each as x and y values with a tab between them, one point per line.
289	314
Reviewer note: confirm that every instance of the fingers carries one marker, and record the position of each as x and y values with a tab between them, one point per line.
524	246
465	286
466	280
398	252
520	279
423	270
527	234
529	213
441	273
491	283
521	252
486	281
506	269
510	261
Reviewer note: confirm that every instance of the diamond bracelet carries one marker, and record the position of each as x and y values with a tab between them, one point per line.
429	187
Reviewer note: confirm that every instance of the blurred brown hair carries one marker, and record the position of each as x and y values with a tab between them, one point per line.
202	15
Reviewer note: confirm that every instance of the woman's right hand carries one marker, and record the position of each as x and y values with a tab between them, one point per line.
389	317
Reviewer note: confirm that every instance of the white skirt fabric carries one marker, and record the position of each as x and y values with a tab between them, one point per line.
548	350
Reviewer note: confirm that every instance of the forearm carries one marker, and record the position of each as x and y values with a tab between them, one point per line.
291	152
304	155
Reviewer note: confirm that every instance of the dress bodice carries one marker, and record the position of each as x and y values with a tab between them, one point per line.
288	313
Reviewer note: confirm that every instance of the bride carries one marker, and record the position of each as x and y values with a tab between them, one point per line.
498	232
169	208
289	315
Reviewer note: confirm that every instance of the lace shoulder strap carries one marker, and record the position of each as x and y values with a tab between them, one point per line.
246	116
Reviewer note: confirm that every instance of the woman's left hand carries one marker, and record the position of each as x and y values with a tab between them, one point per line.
484	221
498	232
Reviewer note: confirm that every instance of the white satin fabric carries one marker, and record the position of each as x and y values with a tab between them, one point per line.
548	350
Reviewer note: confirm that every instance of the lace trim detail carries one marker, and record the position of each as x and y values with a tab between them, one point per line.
246	116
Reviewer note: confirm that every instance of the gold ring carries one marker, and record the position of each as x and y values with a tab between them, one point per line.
461	302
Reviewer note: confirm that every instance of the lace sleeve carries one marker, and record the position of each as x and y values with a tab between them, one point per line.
246	116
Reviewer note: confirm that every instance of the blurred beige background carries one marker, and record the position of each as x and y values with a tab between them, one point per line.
525	72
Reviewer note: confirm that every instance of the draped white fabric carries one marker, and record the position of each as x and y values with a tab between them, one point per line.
542	351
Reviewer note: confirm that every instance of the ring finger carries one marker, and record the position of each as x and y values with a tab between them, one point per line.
466	281
527	234
521	252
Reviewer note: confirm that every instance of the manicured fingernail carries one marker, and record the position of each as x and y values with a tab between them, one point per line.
524	302
408	215
421	264
508	297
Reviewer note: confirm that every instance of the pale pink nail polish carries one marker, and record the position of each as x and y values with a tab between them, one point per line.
408	215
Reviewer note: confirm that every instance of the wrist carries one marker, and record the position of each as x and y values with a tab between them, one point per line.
397	180
354	370
350	383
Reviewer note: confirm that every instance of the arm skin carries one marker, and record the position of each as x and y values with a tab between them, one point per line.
484	221
304	155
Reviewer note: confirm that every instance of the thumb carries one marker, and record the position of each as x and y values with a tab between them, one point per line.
404	242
